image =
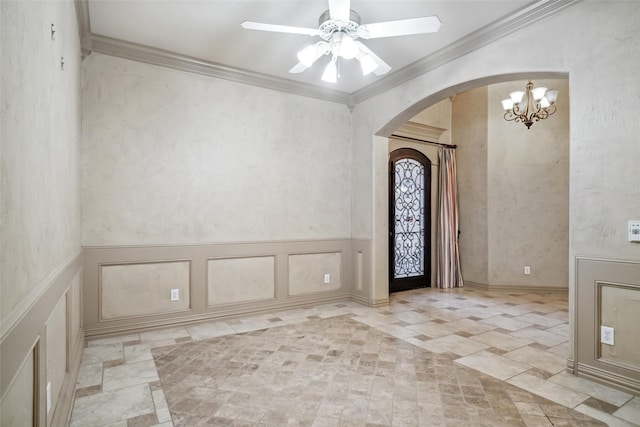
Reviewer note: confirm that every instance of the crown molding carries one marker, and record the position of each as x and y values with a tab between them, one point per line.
525	17
163	58
420	132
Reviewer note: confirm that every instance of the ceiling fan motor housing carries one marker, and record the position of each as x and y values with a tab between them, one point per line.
330	26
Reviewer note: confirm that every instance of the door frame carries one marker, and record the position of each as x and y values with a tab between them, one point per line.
423	281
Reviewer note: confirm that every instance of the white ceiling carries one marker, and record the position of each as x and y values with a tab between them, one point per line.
210	31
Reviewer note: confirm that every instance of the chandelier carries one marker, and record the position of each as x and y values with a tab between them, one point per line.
532	105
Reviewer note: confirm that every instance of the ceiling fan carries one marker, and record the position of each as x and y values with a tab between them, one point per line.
340	30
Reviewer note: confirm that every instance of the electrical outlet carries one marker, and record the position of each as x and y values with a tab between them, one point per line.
606	335
327	278
527	269
175	294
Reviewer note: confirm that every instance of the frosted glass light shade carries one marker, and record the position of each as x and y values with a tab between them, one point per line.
367	64
544	102
307	56
516	96
538	93
552	96
507	104
348	48
330	74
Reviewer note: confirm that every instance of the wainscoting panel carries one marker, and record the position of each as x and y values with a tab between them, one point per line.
137	289
234	280
56	334
619	308
361	275
307	273
607	293
44	346
225	280
17	407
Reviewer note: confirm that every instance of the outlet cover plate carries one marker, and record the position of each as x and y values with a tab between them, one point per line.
175	294
606	335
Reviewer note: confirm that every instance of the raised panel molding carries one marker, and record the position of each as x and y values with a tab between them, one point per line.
592	276
307	271
43	332
238	280
134	289
266	265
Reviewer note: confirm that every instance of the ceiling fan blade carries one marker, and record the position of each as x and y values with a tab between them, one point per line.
383	67
280	28
340	10
403	27
298	68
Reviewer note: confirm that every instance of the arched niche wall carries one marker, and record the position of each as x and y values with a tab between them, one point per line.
603	130
379	290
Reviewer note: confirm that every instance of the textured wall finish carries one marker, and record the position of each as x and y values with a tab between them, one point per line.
307	272
438	115
39	210
138	289
40	134
513	190
240	280
470	131
528	193
173	157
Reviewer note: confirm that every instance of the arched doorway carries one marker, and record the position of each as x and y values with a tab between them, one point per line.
409	220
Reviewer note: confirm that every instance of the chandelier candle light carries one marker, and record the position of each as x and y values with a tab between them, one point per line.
532	105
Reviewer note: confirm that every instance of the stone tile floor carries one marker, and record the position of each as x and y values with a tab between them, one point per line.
504	342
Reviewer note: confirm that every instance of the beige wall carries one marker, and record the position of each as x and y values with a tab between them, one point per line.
528	193
40	132
470	122
171	157
40	295
513	190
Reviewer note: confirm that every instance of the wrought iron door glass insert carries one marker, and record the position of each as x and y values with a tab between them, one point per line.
409	218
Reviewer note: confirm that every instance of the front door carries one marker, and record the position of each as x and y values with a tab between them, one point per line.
409	220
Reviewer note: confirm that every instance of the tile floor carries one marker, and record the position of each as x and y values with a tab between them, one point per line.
506	341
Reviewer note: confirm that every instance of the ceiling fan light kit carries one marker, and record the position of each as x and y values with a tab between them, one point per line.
340	29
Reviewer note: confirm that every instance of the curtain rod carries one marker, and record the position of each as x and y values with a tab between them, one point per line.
423	141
